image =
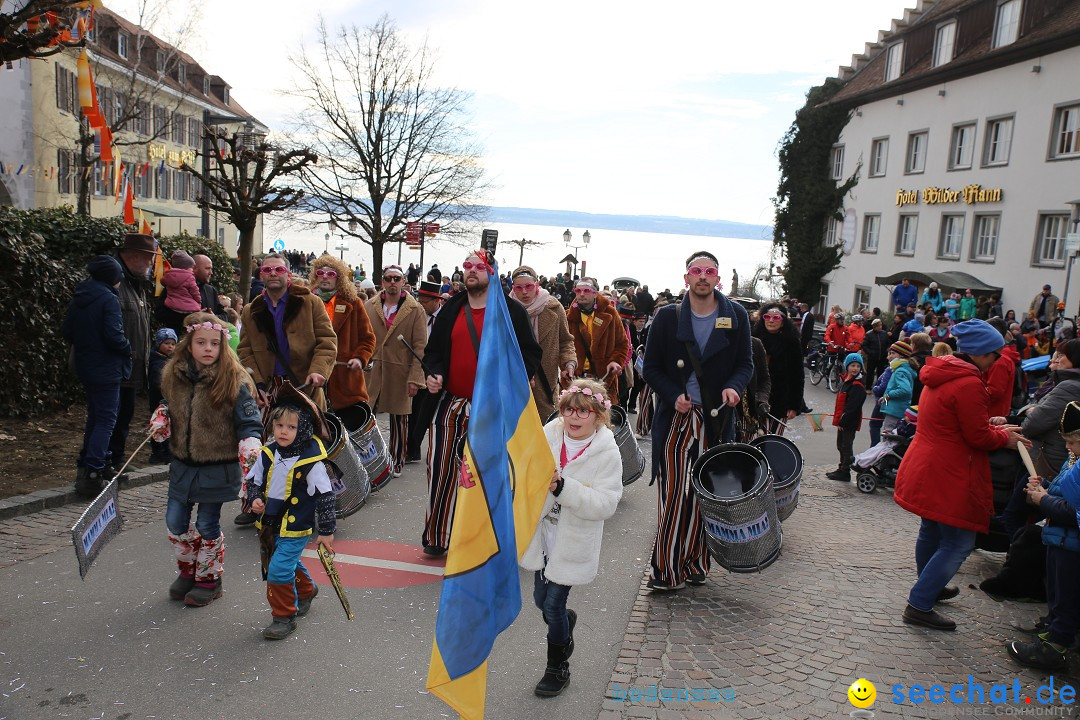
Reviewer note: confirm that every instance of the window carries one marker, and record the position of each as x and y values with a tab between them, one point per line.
206	85
65	176
1006	23
67	90
160	61
963	147
179	129
832	232
822	305
871	232
893	57
998	140
161	121
837	162
879	155
916	152
161	183
120	111
225	95
99	178
194	132
139	183
944	43
905	235
1050	244
862	298
952	237
1066	139
984	239
142	119
122	45
181	73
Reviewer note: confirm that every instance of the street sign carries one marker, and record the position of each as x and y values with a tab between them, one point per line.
489	239
279	244
432	229
1072	243
376	564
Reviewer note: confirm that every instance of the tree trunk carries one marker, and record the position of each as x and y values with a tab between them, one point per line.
377	260
84	173
243	253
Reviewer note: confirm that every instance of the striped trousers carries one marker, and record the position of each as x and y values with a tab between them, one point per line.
448	425
399	440
680	548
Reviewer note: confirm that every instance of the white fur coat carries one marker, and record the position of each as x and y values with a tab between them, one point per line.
592	487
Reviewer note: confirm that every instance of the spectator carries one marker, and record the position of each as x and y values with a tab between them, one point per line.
204	268
967	305
644	301
136	256
847	415
1044	307
904	294
933	296
806	326
874	349
1041	422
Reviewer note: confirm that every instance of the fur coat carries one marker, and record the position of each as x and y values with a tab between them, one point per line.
608	343
395	367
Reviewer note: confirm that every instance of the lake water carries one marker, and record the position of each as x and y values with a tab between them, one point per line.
656	260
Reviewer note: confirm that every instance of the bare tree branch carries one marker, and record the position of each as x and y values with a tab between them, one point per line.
38	29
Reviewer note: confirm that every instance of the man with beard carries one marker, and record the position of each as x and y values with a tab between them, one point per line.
395	375
548	320
710	335
332	282
287	336
452	355
600	340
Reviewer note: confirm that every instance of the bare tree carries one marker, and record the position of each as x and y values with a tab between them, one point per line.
522	244
393	146
37	29
246	182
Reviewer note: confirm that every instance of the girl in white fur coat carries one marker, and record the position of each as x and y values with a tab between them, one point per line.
585	491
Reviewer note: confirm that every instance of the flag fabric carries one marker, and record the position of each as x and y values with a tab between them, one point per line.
502	486
160	266
816	420
144	226
129	204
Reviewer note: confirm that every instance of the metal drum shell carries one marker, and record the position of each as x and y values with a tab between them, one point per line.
786	464
372	449
743	533
346	463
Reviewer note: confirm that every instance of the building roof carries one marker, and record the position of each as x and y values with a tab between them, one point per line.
107	24
951	281
1045	26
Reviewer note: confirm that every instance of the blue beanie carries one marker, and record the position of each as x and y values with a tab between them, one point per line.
977	337
105	268
162	335
852	358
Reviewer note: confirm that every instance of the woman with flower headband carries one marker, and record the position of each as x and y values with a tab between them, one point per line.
584	492
213	425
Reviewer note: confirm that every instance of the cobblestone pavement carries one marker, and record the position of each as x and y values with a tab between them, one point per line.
790	640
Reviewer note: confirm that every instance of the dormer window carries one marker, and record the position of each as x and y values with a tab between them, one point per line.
181	73
225	94
161	61
893	58
1007	23
944	43
206	85
122	45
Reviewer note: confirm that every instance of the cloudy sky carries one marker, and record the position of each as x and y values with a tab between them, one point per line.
597	106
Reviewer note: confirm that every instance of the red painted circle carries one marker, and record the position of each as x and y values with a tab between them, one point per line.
376	564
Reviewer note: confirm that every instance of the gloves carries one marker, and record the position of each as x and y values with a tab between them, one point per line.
247	452
159	424
763	410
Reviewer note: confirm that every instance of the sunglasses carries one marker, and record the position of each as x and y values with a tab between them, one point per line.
524	287
478	266
773	316
273	270
393	278
582	291
697	270
323	272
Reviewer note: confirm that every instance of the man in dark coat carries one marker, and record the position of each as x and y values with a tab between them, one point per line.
136	256
204	268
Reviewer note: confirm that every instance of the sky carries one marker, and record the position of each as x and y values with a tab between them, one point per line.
597	106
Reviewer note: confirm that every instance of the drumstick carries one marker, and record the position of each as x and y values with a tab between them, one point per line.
686	382
423	366
1026	457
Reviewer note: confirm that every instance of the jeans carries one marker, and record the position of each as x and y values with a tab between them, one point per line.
207	521
101	410
940	550
125	411
551	598
1063	594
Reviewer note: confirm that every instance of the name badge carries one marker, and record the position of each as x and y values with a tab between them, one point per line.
339	308
598	322
723	323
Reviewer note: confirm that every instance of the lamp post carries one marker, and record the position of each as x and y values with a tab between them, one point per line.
568	237
1072	244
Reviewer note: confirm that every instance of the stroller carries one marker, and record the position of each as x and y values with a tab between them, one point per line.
879	464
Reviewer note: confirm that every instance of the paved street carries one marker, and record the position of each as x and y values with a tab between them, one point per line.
783	643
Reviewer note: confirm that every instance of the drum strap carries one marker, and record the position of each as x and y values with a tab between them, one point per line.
706	401
472	329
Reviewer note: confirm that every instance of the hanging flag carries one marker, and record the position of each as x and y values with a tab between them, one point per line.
87	92
144	226
504	480
160	266
106	144
816	420
129	204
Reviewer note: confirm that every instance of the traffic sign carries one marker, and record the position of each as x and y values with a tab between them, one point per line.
376	564
432	229
279	244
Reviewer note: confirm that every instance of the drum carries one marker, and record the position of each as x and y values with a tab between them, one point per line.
645	412
352	486
786	465
371	448
738	507
633	461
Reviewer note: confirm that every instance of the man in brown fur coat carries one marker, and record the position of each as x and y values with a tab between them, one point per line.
599	337
548	322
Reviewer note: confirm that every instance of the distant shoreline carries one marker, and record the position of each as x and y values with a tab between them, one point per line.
631	223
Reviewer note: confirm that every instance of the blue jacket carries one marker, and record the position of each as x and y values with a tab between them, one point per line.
1061	522
726	363
899	390
904	296
94	326
937	301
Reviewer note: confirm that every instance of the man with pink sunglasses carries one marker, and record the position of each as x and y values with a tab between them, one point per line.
600	340
548	320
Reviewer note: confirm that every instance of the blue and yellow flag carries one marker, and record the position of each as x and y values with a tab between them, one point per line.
503	482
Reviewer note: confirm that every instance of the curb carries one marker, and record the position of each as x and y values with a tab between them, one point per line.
18	505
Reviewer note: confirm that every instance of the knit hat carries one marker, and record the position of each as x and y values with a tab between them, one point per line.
911	415
852	358
162	335
977	337
105	268
920	318
180	259
902	348
1070	419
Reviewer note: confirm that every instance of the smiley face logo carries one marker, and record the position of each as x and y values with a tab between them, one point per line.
862	693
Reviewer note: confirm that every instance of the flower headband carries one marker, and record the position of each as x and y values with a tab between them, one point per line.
587	392
210	326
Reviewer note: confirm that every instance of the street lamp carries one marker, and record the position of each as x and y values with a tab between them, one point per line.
1072	244
567	237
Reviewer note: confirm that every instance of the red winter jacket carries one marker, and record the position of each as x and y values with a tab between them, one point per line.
1001	380
945	474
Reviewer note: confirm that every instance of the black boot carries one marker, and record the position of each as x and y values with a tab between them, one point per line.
89	483
572	617
557	675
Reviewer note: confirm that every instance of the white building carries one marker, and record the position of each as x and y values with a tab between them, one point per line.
965	134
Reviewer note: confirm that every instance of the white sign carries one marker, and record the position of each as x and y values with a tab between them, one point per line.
1072	243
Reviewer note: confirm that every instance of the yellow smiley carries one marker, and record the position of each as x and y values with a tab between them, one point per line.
862	693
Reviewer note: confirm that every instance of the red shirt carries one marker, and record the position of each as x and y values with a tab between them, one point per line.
462	355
